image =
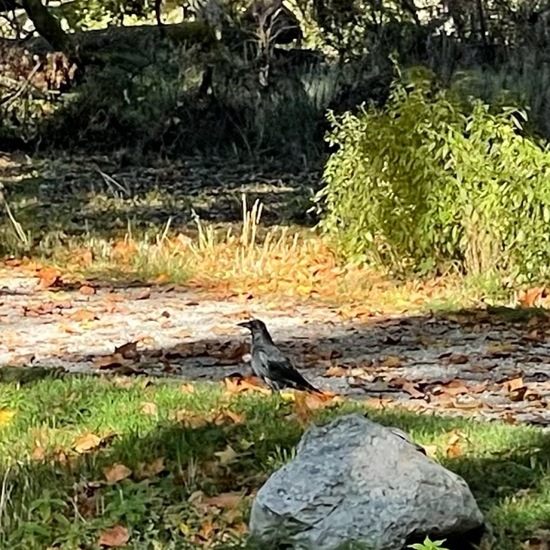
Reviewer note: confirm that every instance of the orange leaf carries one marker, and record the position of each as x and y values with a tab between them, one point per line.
49	277
161	279
410	388
87	290
243	384
336	371
117	472
207	530
38	453
455	387
305	404
87	442
187	388
529	297
115	537
453	447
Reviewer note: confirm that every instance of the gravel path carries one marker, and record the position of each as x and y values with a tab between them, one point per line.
477	365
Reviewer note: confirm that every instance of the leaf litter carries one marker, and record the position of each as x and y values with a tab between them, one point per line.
486	363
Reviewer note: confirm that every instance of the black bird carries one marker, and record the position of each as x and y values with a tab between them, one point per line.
269	364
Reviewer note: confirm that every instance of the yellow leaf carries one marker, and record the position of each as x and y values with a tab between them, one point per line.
149	408
87	442
117	472
5	416
227	456
287	396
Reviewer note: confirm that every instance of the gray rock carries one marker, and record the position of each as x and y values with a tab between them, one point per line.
354	480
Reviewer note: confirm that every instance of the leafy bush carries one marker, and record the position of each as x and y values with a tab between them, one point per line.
430	181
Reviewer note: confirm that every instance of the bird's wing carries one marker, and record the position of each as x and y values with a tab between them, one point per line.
281	370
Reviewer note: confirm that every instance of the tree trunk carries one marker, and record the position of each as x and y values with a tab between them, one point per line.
47	25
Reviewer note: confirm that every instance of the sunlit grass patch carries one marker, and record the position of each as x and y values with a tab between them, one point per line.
175	466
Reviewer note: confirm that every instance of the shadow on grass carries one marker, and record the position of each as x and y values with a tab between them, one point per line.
507	467
68	505
57	201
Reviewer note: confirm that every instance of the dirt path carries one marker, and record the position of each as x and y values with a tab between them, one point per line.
478	365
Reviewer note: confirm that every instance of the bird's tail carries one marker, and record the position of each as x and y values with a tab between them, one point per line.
307	386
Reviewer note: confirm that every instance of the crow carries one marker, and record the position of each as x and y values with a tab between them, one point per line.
269	364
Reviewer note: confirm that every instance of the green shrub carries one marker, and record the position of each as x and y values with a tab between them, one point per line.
431	181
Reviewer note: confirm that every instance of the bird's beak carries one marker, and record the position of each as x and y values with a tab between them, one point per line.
244	324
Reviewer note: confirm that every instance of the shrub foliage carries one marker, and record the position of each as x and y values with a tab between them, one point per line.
432	180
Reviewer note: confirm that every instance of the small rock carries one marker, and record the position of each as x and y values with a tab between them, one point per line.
354	480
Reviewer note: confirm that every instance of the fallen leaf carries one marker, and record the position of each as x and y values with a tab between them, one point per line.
466	402
224	500
86	290
391	362
456	359
539	540
516	389
227	456
187	388
453	447
115	537
531	296
83	315
430	450
69	329
411	389
243	384
190	419
24	359
38	453
304	405
233	416
109	361
207	529
87	442
335	372
5	416
143	295
129	350
49	277
116	473
149	408
501	351
161	279
454	388
150	469
515	384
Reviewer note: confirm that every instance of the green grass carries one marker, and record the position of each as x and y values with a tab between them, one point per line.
62	499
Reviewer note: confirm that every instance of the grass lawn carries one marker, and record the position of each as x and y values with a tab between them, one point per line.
154	464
